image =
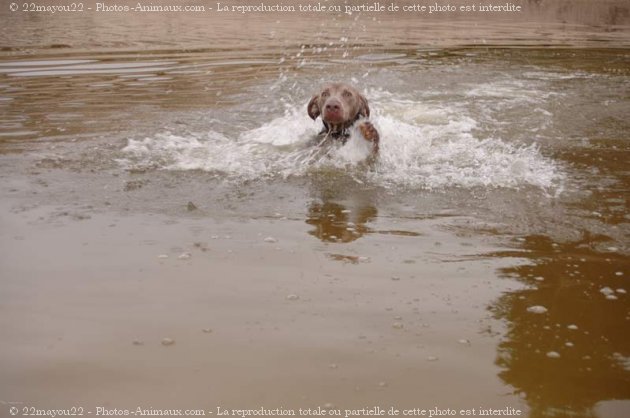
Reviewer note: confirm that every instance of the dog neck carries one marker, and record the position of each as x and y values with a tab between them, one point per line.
340	131
339	134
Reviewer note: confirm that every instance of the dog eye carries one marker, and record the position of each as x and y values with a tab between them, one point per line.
346	93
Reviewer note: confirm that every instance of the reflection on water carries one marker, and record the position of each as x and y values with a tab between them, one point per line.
334	223
577	353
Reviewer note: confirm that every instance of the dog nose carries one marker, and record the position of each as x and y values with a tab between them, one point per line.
333	106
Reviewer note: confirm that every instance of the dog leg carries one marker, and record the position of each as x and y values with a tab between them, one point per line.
370	134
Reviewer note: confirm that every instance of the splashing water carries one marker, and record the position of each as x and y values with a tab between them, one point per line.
422	146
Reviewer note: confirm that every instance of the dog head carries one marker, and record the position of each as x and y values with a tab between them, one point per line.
339	105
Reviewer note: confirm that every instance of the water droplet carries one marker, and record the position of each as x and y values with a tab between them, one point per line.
572	327
553	354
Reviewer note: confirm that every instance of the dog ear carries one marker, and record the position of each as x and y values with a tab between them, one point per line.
313	107
364	109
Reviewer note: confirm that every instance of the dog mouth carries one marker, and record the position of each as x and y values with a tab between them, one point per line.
333	116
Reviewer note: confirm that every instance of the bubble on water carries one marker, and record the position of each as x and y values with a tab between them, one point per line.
397	325
569	344
137	342
332	366
611	297
168	341
553	354
382	384
270	240
572	327
292	297
621	291
162	256
622	360
619	273
432	358
395	278
539	278
537	309
606	291
184	256
464	341
207	330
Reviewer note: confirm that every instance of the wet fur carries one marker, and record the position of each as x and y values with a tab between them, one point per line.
341	106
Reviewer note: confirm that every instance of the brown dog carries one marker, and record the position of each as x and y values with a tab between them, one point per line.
341	106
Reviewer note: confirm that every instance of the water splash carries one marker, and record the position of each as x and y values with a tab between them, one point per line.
423	146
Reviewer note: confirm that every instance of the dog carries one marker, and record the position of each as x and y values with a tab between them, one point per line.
341	107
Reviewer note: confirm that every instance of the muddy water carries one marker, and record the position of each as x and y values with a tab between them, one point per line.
481	262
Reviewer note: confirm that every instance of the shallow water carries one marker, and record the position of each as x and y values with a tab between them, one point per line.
504	159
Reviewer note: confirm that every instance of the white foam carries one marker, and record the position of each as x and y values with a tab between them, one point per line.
422	146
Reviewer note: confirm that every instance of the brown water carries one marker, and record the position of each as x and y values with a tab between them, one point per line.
502	187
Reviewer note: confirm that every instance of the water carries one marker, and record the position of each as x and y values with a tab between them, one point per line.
510	134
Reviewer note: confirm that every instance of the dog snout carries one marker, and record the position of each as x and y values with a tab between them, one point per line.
333	106
333	110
